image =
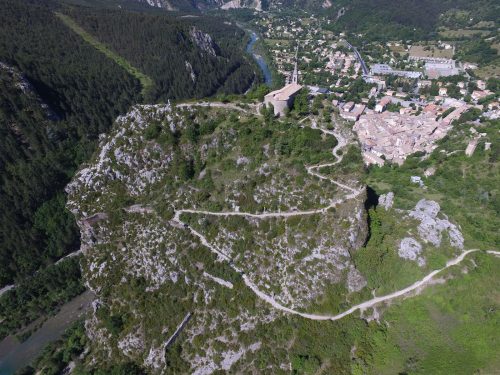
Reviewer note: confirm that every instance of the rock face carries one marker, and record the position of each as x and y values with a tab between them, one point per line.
386	200
355	280
258	5
191	72
431	227
21	83
204	42
410	249
160	4
238	4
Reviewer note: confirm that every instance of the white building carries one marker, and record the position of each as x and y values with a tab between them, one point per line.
382	104
384	69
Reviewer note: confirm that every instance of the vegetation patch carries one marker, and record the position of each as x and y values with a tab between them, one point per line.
146	81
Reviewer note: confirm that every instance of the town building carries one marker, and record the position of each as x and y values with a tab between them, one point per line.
316	90
381	85
348	106
352	112
481	85
382	104
436	67
282	99
424	83
478	95
455	115
394	136
384	69
371	158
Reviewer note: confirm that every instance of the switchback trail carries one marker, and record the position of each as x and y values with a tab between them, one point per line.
219	105
352	193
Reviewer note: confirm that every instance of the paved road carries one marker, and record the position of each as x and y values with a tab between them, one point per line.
360	59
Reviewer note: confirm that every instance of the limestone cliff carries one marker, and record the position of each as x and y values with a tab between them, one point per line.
167	277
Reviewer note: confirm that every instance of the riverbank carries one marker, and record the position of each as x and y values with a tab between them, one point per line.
14	355
268	79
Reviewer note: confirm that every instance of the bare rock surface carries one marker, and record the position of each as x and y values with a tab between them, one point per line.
355	280
431	227
411	249
204	41
386	200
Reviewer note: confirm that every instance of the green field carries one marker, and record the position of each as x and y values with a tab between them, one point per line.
463	33
146	81
450	328
420	51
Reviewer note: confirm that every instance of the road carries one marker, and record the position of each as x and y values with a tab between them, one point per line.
360	59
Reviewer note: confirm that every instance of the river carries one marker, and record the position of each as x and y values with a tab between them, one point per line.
268	79
15	355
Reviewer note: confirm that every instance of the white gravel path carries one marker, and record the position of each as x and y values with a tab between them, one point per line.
354	192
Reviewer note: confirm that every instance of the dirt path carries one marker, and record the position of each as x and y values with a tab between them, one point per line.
312	170
219	105
353	193
6	288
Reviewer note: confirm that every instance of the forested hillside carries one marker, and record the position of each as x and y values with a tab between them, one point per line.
209	55
41	147
409	19
83	90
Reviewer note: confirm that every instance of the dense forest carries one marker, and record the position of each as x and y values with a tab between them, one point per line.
50	121
73	92
408	19
40	294
209	54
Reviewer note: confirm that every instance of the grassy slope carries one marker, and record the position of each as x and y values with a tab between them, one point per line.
146	81
450	328
465	187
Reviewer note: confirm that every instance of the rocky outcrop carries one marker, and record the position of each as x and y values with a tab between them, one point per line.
326	4
20	82
386	200
358	229
149	268
204	42
410	249
160	4
355	280
238	4
431	228
191	72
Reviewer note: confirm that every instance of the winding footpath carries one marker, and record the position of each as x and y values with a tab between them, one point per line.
352	193
251	110
6	288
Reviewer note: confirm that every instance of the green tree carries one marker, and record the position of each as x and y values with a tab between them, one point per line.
58	226
301	103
